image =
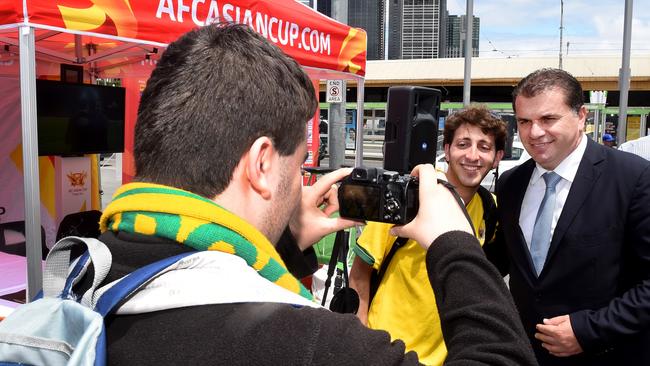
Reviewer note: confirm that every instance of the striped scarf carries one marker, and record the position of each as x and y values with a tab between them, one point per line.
195	221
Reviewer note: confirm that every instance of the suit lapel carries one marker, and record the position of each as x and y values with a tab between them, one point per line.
588	173
520	179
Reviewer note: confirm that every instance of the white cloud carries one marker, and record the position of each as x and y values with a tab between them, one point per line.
520	28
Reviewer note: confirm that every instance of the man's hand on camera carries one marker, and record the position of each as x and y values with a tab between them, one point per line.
439	212
312	220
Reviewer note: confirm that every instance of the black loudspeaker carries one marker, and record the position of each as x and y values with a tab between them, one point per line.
411	127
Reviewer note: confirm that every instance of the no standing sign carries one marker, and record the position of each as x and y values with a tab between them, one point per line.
334	91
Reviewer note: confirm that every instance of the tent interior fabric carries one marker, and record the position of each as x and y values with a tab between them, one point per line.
123	39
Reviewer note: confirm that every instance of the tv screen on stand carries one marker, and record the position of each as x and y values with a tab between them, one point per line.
77	119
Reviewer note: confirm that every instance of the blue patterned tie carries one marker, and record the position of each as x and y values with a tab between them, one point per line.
541	239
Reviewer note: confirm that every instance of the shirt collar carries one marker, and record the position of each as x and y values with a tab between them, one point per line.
567	168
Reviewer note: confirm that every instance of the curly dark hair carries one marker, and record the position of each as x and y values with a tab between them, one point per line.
481	117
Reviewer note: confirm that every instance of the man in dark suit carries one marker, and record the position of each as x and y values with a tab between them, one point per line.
575	233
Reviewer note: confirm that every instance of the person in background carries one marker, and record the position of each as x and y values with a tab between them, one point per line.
351	139
574	233
640	147
609	140
403	305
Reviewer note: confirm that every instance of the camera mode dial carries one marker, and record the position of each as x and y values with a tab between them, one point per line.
392	205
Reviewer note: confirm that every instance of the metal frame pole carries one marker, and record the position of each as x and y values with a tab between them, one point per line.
358	156
561	30
467	83
337	111
597	125
30	161
624	80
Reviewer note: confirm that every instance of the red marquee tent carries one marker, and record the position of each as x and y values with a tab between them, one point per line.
110	34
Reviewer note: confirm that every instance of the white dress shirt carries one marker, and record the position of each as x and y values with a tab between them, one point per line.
536	188
639	147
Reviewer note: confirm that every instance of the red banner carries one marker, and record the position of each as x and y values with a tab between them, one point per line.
309	37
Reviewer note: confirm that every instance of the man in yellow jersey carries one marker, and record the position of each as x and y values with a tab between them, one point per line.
404	304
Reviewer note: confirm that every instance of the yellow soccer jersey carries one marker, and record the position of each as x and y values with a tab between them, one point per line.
404	304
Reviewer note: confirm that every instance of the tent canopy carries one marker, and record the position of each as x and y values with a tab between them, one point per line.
126	27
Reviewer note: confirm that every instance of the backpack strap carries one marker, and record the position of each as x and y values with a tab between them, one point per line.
106	299
203	278
489	212
57	280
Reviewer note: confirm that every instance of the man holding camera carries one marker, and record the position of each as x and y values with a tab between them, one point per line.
219	144
403	304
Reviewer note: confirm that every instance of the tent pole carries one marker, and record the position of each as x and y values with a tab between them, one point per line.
358	157
30	161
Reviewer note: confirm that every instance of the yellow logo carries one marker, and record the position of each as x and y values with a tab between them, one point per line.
119	11
77	179
353	46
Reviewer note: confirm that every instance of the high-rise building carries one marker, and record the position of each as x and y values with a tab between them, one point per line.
325	7
369	15
309	3
365	14
394	37
456	35
417	29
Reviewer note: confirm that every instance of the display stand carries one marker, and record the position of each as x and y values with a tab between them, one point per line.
73	185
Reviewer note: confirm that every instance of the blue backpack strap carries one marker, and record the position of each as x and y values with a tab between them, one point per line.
77	272
132	282
56	278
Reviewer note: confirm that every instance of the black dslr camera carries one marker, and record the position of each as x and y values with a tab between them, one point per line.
374	194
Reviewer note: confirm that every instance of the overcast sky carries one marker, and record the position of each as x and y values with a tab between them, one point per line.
529	28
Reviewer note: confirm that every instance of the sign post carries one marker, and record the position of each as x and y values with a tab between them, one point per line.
334	91
335	96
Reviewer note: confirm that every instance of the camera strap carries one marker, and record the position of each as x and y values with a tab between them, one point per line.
340	240
345	299
459	200
376	277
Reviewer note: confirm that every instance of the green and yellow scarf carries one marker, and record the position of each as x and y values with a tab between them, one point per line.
195	221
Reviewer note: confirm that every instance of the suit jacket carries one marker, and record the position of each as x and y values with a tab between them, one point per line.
598	265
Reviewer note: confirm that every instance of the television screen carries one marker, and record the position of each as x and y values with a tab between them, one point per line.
76	119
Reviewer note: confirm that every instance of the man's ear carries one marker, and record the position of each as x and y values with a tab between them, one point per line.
497	158
447	153
262	157
582	117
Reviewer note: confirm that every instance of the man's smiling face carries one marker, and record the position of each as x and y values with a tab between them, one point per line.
549	129
471	155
